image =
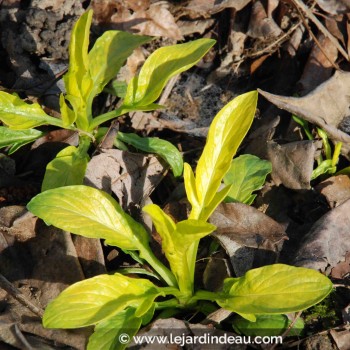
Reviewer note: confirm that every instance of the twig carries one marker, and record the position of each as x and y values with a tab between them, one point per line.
335	66
19	296
300	5
274	44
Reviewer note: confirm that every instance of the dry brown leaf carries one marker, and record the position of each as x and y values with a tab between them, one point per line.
206	8
327	106
328	241
240	226
130	176
334	7
69	137
260	25
141	17
292	163
318	67
196	26
158	22
341	270
40	261
341	338
336	189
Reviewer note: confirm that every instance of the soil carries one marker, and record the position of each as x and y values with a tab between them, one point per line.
272	45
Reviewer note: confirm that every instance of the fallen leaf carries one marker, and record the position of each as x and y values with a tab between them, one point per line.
342	269
341	338
292	163
260	25
69	137
199	26
145	19
327	106
334	7
239	226
336	189
206	8
328	241
318	67
130	176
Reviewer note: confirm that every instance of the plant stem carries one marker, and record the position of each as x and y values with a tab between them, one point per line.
167	304
205	295
163	271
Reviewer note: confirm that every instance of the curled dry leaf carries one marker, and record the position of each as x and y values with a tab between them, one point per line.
336	189
292	163
261	26
239	225
328	241
327	106
318	67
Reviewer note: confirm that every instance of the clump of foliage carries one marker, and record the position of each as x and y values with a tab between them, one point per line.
116	303
87	76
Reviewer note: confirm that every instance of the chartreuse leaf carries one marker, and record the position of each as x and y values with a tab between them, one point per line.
96	299
76	81
163	148
267	325
113	333
19	115
109	53
226	133
274	289
89	212
160	66
247	174
176	239
68	168
17	138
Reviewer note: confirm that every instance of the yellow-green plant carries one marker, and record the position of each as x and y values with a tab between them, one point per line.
116	303
88	74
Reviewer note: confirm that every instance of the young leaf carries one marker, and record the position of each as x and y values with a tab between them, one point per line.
17	138
68	168
163	148
113	333
109	54
176	239
246	175
267	325
76	80
274	289
160	66
93	300
226	133
18	115
89	212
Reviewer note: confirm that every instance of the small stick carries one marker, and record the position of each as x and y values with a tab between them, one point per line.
6	285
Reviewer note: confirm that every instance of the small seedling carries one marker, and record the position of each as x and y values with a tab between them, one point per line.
116	303
324	166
